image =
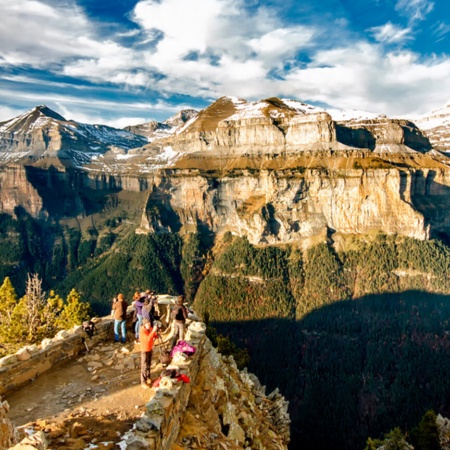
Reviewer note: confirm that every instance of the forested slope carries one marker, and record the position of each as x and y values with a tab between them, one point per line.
357	340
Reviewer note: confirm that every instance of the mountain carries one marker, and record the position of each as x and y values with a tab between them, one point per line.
233	126
276	171
436	126
43	133
285	223
158	130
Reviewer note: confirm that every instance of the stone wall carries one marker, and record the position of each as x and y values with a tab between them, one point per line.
220	406
31	361
229	404
159	427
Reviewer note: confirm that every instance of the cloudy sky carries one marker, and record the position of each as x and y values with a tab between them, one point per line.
121	62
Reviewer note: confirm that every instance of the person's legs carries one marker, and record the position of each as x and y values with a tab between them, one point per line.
146	362
116	330
176	332
182	328
123	325
138	326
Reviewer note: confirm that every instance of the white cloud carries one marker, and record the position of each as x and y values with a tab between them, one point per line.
35	33
391	34
414	9
365	77
231	52
7	113
440	30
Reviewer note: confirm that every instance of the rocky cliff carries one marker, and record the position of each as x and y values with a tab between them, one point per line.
43	133
220	406
275	170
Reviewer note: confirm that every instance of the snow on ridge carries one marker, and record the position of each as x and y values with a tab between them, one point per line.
169	155
430	123
437	118
341	115
126	156
186	125
250	110
235	100
301	107
13	121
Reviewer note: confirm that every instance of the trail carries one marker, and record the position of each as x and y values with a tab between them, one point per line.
92	399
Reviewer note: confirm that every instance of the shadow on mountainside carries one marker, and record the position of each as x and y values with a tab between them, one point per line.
355	368
70	193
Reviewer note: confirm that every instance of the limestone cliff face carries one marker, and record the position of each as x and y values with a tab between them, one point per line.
17	190
274	126
287	206
276	170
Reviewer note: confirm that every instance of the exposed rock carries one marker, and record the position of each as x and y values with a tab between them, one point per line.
35	441
8	434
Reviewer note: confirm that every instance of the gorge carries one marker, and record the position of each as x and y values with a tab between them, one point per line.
282	222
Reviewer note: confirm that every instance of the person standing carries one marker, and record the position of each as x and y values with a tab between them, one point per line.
153	306
120	318
138	304
179	315
148	336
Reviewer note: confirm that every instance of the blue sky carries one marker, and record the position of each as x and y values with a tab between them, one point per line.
123	62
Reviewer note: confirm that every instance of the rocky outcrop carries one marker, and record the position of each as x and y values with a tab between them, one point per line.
216	406
293	205
159	130
42	132
226	400
275	126
16	190
8	434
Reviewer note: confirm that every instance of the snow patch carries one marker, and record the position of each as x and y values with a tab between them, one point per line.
122	157
252	110
168	154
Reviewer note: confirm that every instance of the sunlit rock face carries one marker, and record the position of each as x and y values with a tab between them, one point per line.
16	190
278	207
275	170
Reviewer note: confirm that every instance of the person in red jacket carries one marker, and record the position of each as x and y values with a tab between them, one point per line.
147	337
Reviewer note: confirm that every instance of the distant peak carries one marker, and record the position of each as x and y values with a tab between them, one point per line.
46	111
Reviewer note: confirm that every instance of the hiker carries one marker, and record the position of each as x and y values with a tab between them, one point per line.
120	318
179	315
148	336
154	307
138	304
150	309
136	296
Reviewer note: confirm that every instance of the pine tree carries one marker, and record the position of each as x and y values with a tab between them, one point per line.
50	315
74	312
8	301
426	435
395	440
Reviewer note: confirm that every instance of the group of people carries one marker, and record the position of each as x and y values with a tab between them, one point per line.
146	326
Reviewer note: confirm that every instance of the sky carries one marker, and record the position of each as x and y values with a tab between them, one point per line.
124	62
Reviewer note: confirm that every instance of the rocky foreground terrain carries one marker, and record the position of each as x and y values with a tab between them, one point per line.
95	400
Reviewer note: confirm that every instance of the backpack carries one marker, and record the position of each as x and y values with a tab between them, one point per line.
165	358
178	313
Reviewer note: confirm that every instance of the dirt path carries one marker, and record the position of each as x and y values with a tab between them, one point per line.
93	399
